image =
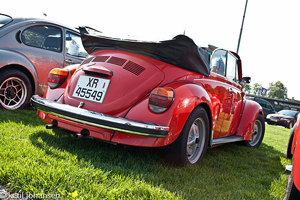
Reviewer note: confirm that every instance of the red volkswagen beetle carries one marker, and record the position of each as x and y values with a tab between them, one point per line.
170	94
293	150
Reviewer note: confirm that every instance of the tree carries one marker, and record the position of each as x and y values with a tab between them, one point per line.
277	90
255	88
247	88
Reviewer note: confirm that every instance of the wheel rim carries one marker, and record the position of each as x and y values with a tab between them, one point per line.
257	131
195	142
12	93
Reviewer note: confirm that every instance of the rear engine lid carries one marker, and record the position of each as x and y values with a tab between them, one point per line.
112	82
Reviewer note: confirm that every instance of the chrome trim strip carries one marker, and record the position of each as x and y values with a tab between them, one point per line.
228	139
99	120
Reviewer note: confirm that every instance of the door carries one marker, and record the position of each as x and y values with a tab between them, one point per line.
219	90
43	46
74	51
233	97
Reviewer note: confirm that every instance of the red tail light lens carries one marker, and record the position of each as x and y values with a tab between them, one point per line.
160	99
56	77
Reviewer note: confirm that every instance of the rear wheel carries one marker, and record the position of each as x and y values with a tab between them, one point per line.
258	133
291	125
191	145
15	90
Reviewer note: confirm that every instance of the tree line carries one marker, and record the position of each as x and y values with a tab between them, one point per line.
275	90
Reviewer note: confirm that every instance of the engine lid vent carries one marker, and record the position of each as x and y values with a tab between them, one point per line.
116	61
100	58
134	68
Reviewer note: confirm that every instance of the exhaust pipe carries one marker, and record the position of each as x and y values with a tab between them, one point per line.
83	133
52	126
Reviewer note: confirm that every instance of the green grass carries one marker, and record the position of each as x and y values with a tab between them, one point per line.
35	160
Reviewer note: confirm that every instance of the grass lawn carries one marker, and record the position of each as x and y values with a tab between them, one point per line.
35	160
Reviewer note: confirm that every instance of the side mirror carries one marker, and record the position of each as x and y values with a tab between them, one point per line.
246	79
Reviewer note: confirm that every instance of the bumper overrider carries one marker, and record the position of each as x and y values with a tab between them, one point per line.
99	120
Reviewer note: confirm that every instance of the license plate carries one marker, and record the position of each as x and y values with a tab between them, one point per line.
91	88
273	120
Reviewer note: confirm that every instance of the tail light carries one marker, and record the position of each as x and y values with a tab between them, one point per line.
56	77
160	99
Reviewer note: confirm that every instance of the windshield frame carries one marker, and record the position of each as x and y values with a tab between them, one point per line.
5	19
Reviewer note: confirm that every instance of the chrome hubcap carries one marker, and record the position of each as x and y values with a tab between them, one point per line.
256	133
195	142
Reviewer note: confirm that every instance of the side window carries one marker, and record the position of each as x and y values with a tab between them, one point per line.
232	72
45	37
218	62
269	106
74	46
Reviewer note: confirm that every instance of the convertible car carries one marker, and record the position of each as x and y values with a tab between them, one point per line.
170	94
293	151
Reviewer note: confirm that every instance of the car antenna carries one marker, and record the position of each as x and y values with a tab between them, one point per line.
237	51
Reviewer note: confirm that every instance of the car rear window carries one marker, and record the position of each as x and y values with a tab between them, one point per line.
4	19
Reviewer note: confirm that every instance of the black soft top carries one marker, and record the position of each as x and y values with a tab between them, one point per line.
181	51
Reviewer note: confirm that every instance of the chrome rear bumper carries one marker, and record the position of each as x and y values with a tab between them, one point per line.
100	120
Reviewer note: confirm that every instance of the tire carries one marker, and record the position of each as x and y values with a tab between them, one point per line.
291	192
15	90
291	125
257	134
191	145
290	143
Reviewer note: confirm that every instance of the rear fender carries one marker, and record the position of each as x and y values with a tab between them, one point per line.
296	156
55	94
188	96
249	114
297	129
10	58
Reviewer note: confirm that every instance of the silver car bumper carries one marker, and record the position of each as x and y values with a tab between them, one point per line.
100	120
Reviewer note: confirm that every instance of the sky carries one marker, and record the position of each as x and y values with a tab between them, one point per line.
269	43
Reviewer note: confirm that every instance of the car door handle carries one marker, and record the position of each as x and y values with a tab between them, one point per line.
69	61
230	90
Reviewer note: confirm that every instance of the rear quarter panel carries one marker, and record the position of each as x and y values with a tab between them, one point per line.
55	94
9	58
188	95
296	154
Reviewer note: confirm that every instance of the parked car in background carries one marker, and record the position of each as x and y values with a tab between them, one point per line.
29	49
154	94
286	118
266	106
293	150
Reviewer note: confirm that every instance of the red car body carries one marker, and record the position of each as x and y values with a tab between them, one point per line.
136	82
293	150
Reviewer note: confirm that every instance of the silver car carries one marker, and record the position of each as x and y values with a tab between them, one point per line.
29	49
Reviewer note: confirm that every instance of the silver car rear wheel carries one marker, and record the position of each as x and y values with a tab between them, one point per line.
15	90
